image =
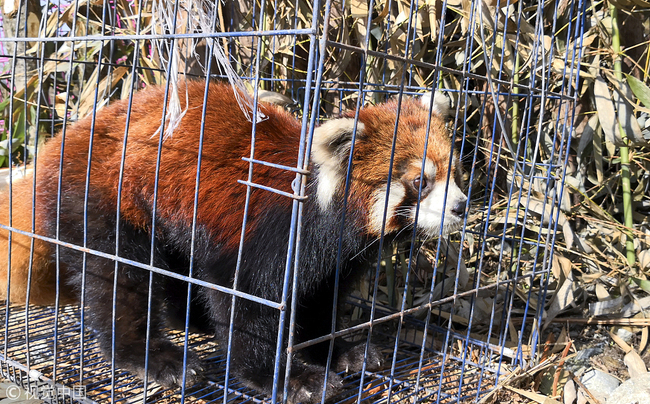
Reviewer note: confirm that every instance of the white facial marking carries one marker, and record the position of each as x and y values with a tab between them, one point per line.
396	196
431	209
441	103
331	162
328	181
429	169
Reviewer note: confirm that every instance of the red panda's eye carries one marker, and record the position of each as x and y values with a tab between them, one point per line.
417	181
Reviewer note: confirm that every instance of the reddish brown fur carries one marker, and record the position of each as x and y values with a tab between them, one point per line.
380	121
44	271
175	198
277	142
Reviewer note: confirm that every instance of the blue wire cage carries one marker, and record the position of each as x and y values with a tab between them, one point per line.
451	315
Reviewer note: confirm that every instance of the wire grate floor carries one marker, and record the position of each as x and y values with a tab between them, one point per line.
29	360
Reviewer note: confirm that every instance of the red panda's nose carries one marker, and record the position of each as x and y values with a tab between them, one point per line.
459	208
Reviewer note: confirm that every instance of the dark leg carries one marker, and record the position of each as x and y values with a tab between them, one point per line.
253	352
315	320
165	358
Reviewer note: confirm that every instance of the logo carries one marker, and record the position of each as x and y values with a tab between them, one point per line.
43	391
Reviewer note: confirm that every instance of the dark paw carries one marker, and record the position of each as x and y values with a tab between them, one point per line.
351	360
166	365
307	386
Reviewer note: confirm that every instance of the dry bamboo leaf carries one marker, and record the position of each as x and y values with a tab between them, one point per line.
601	293
358	8
570	392
595	209
456	318
538	398
561	300
514	335
611	149
149	76
383	13
607	112
438	291
55	20
562	341
452	254
556	269
630	4
597	151
555	378
593	69
546	210
60	104
619	341
635	306
397	43
569	235
52	67
463	308
127	86
360	29
513	216
587	137
623	4
635	365
104	87
484	306
642	322
644	259
606	307
338	60
565	264
622	97
465	10
87	92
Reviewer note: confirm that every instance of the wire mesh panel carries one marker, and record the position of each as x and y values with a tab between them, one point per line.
280	201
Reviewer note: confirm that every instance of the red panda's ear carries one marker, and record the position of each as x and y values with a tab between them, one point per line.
330	151
441	103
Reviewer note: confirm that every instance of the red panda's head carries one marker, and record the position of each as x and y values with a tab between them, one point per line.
442	202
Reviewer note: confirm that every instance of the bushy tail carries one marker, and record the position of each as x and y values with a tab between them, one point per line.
41	283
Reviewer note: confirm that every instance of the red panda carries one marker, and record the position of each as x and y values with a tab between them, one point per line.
219	216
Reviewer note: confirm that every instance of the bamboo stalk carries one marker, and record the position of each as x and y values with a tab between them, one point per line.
515	102
624	150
